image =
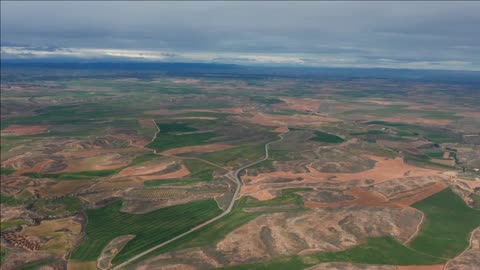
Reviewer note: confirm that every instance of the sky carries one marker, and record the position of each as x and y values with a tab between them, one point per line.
423	35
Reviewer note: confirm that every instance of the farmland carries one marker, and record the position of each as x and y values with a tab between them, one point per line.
108	222
101	166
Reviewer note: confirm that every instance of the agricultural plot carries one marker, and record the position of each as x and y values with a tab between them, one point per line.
326	137
235	156
175	135
86	175
447	225
149	229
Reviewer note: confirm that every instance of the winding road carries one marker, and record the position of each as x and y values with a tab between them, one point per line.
236	179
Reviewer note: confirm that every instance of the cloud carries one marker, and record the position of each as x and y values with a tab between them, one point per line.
434	34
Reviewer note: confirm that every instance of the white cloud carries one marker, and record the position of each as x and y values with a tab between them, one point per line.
313	60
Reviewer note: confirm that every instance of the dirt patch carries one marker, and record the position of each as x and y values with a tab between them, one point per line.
385	169
285	120
300	104
38	167
449	162
112	249
63	188
281	129
198	148
137	179
195	118
262	195
76	265
142	170
18	130
182	172
146	123
421	267
95	152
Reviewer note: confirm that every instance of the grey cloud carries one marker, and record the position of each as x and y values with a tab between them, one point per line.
435	32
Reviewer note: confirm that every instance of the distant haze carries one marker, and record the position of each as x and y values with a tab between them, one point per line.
425	35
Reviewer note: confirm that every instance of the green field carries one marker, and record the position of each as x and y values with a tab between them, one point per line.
58	206
175	127
236	154
149	229
11	223
6	171
9	200
3	254
448	223
85	175
170	136
326	137
402	109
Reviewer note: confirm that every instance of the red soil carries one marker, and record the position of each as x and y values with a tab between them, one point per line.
385	169
95	152
368	198
35	169
198	148
142	170
146	123
18	130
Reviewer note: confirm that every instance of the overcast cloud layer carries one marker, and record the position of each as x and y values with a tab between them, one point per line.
437	35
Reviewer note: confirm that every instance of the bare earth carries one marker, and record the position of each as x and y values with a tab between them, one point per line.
198	148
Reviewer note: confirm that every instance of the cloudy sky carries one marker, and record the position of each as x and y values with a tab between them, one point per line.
434	35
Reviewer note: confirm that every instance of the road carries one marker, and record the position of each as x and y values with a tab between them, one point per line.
237	180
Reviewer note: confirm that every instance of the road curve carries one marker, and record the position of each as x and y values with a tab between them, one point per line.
237	180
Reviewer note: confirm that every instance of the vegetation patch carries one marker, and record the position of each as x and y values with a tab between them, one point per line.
149	229
85	175
59	206
170	136
11	223
6	171
448	222
326	137
9	200
240	153
3	254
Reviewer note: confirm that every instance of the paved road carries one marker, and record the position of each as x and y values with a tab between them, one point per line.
237	180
